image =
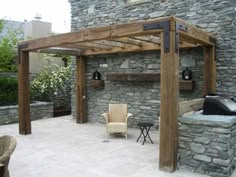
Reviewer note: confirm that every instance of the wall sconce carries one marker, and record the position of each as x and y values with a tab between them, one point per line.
187	74
96	75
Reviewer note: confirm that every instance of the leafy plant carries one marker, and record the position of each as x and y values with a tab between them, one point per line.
8	48
1	25
49	84
8	91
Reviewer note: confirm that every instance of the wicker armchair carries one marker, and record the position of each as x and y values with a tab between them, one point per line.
7	147
117	119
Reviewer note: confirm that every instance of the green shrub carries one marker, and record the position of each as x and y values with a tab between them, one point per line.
49	84
8	91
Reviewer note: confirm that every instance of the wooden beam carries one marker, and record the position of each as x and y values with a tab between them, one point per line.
194	34
94	34
191	105
81	104
24	94
61	51
169	107
209	70
194	39
147	47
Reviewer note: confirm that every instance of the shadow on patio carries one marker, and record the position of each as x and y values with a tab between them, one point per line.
58	147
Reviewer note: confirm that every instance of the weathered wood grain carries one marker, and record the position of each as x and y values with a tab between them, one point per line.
169	107
24	94
81	103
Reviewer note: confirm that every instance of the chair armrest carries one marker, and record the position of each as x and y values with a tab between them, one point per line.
129	115
105	115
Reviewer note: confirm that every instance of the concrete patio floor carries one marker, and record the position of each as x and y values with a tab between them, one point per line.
58	147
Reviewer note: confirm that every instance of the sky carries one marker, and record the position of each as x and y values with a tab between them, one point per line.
55	11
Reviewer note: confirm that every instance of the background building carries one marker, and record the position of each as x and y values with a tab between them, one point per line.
36	29
31	30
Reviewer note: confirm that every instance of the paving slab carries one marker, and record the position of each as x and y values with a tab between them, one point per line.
58	147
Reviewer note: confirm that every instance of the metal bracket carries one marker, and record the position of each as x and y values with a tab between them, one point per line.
20	47
165	25
179	26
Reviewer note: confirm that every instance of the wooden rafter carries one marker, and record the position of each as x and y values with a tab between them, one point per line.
111	43
151	39
93	34
129	41
147	47
120	36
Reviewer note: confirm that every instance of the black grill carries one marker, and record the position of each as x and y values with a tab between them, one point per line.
219	106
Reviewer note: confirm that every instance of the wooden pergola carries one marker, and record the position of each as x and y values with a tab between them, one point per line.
166	34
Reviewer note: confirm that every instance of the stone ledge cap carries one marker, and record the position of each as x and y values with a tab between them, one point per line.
210	120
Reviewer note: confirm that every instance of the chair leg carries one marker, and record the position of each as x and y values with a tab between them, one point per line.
107	135
2	171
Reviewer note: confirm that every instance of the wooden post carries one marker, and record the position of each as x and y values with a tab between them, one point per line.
81	105
24	94
209	70
169	106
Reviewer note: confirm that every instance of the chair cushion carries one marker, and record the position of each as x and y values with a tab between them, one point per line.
117	127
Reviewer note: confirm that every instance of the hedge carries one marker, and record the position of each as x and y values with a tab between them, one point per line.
8	91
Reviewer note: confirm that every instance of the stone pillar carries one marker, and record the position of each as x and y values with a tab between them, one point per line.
207	144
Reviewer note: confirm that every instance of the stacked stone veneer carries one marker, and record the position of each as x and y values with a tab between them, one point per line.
207	144
143	98
38	110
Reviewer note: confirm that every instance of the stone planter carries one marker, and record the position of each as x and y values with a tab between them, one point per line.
61	111
39	110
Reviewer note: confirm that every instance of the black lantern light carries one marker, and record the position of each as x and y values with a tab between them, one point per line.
96	75
187	74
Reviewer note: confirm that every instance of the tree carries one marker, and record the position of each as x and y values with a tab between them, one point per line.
1	25
8	48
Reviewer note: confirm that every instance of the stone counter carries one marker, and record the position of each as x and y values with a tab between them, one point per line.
207	144
38	110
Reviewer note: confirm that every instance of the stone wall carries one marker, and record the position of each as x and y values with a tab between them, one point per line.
207	144
38	110
143	98
8	74
214	16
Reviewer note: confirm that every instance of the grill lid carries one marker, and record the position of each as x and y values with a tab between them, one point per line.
219	106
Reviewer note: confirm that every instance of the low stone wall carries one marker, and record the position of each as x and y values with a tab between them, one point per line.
39	110
207	144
